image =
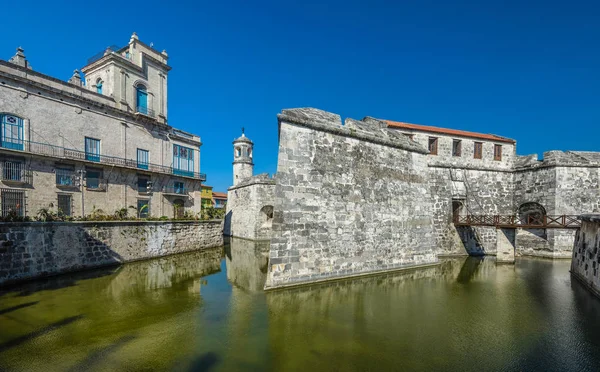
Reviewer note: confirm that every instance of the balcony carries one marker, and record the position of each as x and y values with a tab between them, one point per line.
59	152
172	190
145	111
15	172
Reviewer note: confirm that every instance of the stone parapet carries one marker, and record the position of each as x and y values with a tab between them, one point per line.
324	121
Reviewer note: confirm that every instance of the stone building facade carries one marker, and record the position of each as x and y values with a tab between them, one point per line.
101	143
348	198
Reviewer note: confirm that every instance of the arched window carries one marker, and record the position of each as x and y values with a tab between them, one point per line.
11	135
238	152
249	152
99	86
266	216
142	99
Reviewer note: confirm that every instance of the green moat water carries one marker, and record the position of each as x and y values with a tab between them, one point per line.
206	311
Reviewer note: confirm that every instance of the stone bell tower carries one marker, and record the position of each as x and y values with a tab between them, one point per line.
242	159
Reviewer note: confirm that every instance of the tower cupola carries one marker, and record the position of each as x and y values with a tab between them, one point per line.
243	167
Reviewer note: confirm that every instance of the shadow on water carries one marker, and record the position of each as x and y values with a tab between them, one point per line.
17	307
97	357
469	269
57	282
204	362
40	332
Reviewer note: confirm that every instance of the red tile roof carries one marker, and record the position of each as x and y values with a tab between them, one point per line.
452	132
219	195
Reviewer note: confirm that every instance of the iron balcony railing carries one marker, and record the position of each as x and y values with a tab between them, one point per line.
175	190
97	56
12	171
66	153
145	110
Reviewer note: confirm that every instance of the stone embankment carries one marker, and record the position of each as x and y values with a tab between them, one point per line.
586	258
30	249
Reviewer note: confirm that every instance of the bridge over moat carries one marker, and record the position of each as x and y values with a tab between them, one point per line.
527	222
506	226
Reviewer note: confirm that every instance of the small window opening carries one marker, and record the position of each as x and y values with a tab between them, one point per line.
433	145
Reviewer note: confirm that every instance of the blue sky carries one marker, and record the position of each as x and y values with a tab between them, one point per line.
528	70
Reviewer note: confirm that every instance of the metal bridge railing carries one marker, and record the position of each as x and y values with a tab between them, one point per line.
531	221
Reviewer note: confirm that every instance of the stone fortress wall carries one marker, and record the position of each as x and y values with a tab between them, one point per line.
30	250
339	187
585	265
249	212
350	199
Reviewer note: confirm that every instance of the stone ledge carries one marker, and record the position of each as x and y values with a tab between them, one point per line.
589	217
329	280
105	223
261	179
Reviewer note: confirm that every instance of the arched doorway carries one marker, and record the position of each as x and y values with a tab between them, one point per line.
531	213
457	209
178	208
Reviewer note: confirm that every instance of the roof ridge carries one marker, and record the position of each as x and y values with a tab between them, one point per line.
449	131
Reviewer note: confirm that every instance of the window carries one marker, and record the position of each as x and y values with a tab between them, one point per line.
13	202
497	152
99	86
142	184
433	145
249	152
238	152
93	179
65	176
12	132
142	99
183	160
178	187
477	150
12	171
143	208
142	159
92	149
64	204
456	147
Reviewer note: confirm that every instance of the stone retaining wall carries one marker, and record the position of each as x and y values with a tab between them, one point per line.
33	249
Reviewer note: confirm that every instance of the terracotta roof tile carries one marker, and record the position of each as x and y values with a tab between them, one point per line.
219	195
452	132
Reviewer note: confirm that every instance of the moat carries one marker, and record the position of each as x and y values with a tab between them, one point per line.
206	311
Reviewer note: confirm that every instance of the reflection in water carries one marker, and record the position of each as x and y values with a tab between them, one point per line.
246	262
206	311
138	313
